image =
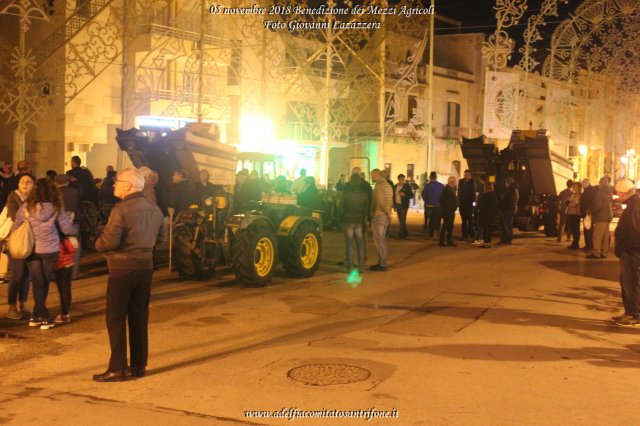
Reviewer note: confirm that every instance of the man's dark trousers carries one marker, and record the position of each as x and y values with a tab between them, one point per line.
446	232
128	296
426	219
402	218
434	220
506	227
466	214
630	282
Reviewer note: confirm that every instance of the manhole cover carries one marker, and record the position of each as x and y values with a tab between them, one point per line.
328	374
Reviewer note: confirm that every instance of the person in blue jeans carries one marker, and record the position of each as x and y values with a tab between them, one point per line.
45	213
354	208
19	280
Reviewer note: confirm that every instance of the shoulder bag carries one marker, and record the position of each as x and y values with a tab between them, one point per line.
22	240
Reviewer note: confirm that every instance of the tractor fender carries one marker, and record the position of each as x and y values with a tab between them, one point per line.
243	221
289	225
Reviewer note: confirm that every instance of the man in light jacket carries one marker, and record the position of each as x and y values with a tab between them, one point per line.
381	216
563	199
601	212
127	242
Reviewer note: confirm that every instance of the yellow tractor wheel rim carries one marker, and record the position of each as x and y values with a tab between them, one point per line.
309	251
263	257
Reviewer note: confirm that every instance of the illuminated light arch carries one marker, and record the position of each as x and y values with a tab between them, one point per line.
601	37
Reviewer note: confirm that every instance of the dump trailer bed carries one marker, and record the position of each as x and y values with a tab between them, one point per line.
483	158
548	170
191	149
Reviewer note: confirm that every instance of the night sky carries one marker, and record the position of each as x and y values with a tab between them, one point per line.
479	16
475	15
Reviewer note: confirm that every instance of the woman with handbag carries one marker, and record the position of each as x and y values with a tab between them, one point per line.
45	214
19	281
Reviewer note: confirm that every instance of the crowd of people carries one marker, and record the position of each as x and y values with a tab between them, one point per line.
356	208
359	206
49	208
52	207
249	188
56	207
591	205
482	207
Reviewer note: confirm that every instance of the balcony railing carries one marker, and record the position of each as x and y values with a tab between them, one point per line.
408	130
184	34
453	132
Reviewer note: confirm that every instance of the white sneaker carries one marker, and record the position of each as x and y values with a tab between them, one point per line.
477	243
46	325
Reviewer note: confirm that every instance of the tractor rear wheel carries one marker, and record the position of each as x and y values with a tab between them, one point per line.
253	255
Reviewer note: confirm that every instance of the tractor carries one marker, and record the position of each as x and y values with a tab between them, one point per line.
252	238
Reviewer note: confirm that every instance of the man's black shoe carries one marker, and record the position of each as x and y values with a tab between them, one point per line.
452	244
111	376
136	371
377	268
442	244
593	256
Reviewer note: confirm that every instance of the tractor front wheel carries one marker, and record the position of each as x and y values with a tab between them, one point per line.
302	251
253	254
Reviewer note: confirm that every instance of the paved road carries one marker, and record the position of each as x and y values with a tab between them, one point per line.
514	335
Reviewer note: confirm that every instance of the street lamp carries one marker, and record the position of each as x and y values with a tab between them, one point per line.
257	134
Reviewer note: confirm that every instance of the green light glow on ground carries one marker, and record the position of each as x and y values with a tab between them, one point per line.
354	278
